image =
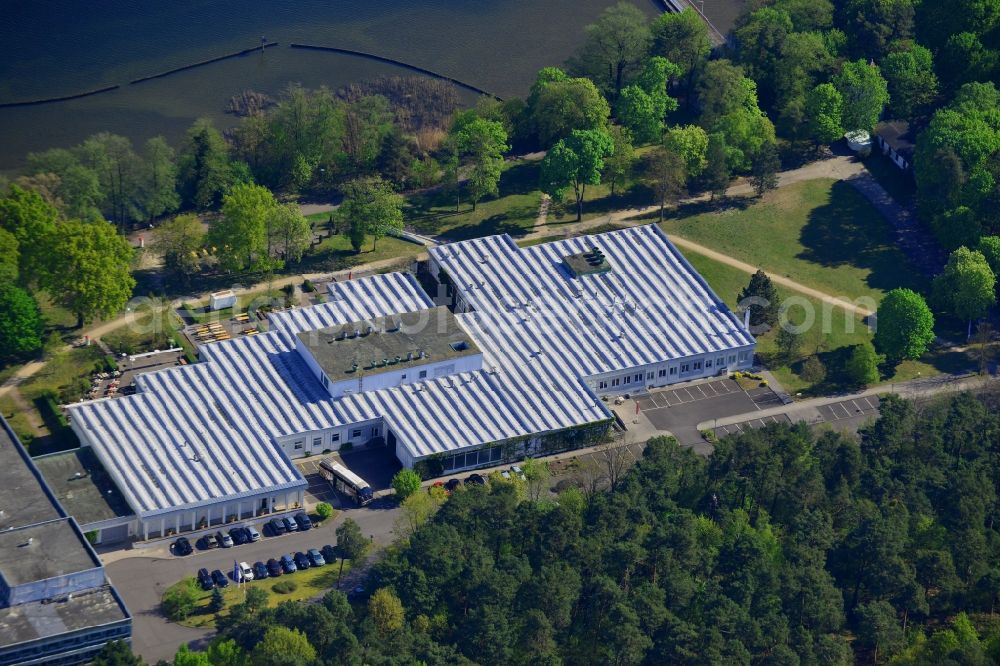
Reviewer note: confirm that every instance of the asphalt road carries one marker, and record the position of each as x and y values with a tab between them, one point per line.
141	579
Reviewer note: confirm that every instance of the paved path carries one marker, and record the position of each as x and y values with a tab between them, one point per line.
911	237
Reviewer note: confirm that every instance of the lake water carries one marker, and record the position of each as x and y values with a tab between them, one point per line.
57	47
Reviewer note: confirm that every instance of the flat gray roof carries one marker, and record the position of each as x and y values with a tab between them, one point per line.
376	344
43	551
22	500
90	608
82	485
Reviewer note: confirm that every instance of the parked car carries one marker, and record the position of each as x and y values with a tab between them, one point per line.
237	535
252	533
220	579
206	542
452	485
288	564
476	479
329	553
274	568
302	520
183	547
290	525
224	540
315	557
301	561
505	474
259	570
277	526
205	579
518	472
246	573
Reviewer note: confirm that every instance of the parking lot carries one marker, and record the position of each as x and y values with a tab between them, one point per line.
737	428
680	409
850	409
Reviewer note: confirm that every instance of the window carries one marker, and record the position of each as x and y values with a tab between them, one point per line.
375	432
616	381
732	358
317	442
638	377
697	365
297	445
603	384
662	373
743	356
708	363
685	367
334	438
423	374
326	382
673	370
356	433
720	361
649	375
403	378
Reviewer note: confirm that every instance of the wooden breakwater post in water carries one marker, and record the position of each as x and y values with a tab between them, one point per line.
63	98
209	61
398	63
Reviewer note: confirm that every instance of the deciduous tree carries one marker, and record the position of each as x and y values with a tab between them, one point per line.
618	167
824	113
405	483
21	324
239	236
576	162
158	179
966	285
483	143
862	365
33	222
561	106
615	47
180	240
905	325
281	646
372	208
691	143
664	171
89	269
386	611
865	94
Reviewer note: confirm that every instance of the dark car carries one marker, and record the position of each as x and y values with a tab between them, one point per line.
183	547
277	526
206	542
238	536
329	553
273	568
315	558
303	521
452	485
301	561
476	479
290	525
288	564
224	539
205	579
220	579
259	571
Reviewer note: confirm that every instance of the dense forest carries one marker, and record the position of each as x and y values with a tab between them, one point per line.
787	546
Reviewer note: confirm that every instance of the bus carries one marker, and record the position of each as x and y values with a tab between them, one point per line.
346	481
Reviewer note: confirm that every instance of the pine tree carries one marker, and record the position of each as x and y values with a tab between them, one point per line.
761	298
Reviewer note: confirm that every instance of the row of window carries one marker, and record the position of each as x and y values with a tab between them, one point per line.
317	443
472	458
685	368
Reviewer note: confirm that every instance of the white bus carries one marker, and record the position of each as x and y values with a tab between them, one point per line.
346	481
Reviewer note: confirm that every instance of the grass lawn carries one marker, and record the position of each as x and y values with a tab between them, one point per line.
821	233
62	371
18	420
513	212
309	583
831	337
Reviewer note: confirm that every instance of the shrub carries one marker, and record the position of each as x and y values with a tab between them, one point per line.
324	510
179	601
285	587
813	370
406	482
308	286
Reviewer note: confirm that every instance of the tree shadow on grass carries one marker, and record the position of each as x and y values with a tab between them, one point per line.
848	231
501	223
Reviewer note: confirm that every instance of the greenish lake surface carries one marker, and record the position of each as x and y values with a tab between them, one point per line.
51	48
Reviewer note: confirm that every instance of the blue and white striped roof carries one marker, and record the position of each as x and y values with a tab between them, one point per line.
203	433
651	307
